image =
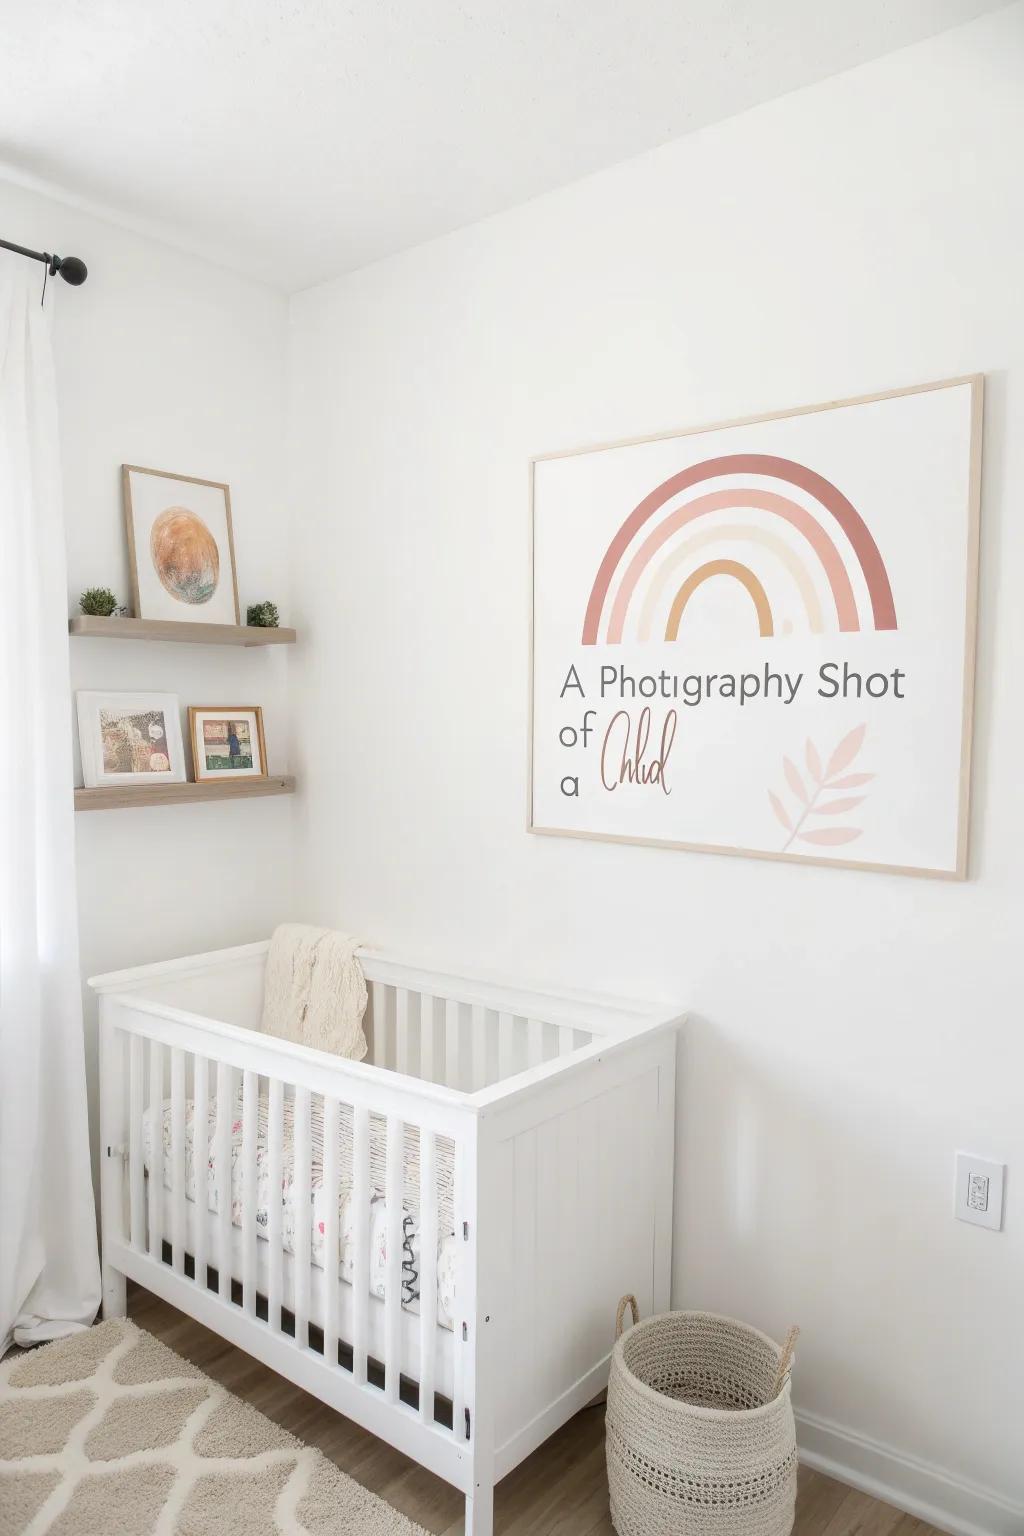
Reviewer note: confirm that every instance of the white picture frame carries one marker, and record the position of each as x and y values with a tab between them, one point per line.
120	732
853	527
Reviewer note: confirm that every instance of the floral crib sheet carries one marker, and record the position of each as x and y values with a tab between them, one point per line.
446	1252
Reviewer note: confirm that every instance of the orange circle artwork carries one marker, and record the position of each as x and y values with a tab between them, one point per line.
185	556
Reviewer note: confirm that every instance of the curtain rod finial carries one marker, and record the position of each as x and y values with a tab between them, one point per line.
72	269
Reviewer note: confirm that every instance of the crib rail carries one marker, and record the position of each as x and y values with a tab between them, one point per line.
462	1032
463	1045
247	1113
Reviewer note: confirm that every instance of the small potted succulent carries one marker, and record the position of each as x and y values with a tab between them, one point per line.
99	602
262	616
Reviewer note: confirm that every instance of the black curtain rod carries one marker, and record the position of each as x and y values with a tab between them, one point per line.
71	269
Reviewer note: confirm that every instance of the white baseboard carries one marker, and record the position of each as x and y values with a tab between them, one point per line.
922	1490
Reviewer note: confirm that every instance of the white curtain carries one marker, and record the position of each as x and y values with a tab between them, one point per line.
49	1269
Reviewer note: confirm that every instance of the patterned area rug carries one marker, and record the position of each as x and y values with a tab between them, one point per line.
111	1432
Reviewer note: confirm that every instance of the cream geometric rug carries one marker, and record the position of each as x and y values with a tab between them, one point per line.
109	1433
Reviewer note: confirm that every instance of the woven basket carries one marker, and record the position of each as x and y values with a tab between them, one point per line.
700	1434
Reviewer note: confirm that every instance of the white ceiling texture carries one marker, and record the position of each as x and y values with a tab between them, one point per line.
296	139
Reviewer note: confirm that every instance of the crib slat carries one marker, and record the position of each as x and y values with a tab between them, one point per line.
393	1268
379	1050
301	1192
478	1042
200	1160
178	1159
331	1203
275	1179
401	1029
459	1350
535	1041
506	1046
427	1067
250	1128
566	1040
156	1149
136	1171
225	1111
428	1273
451	1042
360	1238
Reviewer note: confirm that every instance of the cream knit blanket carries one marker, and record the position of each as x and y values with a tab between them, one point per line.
313	990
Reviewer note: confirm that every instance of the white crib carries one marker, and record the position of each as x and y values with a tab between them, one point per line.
554	1114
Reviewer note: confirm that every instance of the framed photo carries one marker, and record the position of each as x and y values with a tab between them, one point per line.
227	741
181	551
758	638
130	738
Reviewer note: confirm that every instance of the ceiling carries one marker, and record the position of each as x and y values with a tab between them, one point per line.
297	139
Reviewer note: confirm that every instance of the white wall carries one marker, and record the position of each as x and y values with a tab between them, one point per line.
849	1030
166	361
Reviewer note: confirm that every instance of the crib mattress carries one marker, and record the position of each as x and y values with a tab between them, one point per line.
289	1198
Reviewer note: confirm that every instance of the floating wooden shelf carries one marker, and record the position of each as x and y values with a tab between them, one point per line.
173	629
111	797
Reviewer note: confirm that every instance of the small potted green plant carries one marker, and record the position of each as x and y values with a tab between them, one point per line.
99	602
262	616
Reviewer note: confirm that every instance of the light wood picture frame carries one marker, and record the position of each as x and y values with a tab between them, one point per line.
129	738
227	742
181	548
852	535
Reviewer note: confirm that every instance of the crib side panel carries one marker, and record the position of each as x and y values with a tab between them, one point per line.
241	1138
582	1209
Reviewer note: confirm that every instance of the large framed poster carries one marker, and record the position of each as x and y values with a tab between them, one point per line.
758	638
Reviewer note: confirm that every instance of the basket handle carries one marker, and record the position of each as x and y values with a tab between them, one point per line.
785	1362
627	1301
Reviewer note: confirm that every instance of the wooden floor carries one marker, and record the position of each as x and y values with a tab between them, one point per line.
560	1490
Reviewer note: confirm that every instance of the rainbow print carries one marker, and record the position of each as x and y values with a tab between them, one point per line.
681	570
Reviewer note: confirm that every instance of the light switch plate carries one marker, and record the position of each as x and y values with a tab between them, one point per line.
979	1191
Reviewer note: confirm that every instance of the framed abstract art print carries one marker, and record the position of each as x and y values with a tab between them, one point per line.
181	550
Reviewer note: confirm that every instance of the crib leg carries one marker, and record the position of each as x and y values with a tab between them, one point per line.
115	1293
480	1511
113	1136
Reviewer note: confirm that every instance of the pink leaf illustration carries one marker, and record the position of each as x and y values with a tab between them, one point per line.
846	751
830	837
780	812
810	794
851	781
794	780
